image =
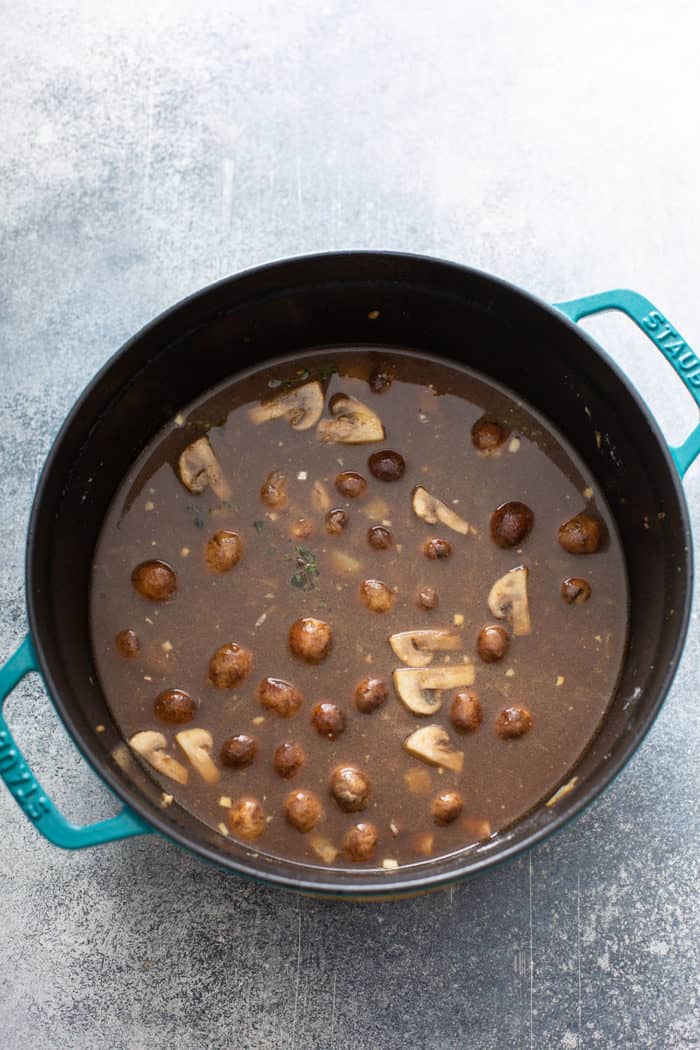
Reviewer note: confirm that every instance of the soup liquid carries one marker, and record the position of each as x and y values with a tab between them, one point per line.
564	672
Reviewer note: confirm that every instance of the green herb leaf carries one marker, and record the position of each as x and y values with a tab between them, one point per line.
304	578
258	526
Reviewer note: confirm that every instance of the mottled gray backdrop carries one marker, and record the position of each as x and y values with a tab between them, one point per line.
149	148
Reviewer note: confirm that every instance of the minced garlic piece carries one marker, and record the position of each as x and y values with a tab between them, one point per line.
166	800
458	619
389	864
560	679
225	801
222	828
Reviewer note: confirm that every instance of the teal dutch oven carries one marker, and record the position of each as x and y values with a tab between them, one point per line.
427	305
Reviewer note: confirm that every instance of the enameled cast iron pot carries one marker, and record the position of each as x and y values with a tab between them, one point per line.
425	304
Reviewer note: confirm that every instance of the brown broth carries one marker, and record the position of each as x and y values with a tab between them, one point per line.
564	672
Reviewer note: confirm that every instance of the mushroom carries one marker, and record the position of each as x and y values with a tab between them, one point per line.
197	745
302	407
198	467
353	422
432	510
416	648
508	599
432	745
411	684
151	746
320	498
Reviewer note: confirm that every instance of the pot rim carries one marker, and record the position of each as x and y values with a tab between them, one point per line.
366	886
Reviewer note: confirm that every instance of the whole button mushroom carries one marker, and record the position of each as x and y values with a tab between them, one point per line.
246	819
465	711
303	809
289	758
350	484
223	551
428	597
174	706
370	694
350	788
436	549
488	435
575	591
279	696
360	841
511	523
513	722
310	639
581	534
127	643
376	595
328	719
379	537
336	521
387	465
493	643
155	580
446	807
229	665
239	751
273	491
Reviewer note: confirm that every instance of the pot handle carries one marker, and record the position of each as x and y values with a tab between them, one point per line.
661	332
27	790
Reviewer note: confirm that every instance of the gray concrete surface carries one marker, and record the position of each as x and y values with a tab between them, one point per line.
149	148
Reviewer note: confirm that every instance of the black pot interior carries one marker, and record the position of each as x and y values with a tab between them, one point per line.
425	305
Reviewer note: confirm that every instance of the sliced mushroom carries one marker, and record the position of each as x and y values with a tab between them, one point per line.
432	510
320	497
323	847
412	684
151	746
343	562
416	648
198	467
353	422
508	600
302	407
432	745
197	745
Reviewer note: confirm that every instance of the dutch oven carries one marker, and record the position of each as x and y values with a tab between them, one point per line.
287	307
